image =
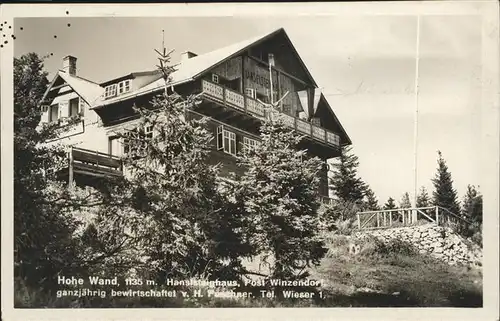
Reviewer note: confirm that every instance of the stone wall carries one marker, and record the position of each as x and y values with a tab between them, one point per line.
437	241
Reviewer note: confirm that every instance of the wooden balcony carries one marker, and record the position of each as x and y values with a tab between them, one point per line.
236	100
84	164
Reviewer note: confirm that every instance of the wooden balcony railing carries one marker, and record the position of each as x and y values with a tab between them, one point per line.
93	163
237	100
326	200
402	217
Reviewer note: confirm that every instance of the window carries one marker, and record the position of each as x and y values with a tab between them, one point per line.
110	91
249	144
148	132
126	144
73	107
123	87
53	113
226	140
316	121
234	84
215	78
139	147
250	92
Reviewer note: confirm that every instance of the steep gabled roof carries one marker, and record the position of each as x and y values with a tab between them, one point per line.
86	89
346	139
319	97
191	68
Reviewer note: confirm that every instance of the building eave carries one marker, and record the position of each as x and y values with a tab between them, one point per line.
136	94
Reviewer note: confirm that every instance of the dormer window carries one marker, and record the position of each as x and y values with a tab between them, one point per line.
117	89
123	87
215	78
110	91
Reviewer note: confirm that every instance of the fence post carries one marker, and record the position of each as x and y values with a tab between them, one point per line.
359	221
437	215
390	218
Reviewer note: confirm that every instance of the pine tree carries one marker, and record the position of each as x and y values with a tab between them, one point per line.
390	204
279	193
405	201
371	202
345	183
423	199
444	194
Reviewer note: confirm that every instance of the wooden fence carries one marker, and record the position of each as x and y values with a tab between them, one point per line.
401	217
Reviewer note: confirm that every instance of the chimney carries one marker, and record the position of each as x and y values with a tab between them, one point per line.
187	55
69	65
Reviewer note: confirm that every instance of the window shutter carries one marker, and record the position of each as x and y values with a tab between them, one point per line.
220	142
81	108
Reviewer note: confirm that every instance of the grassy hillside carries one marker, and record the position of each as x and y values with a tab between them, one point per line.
394	275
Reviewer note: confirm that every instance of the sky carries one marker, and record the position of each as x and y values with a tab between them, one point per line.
365	65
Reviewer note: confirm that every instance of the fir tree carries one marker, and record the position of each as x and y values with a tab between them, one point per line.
371	202
405	201
390	204
279	193
423	199
345	183
444	194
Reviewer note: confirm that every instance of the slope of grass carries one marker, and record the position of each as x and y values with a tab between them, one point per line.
397	276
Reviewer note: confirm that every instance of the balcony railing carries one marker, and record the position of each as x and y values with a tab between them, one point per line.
92	163
255	108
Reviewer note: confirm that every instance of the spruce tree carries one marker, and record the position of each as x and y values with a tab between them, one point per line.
345	183
390	204
371	202
405	201
279	194
444	194
472	208
187	228
423	199
43	233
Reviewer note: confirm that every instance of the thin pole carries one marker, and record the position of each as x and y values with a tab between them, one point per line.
163	40
271	78
415	135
